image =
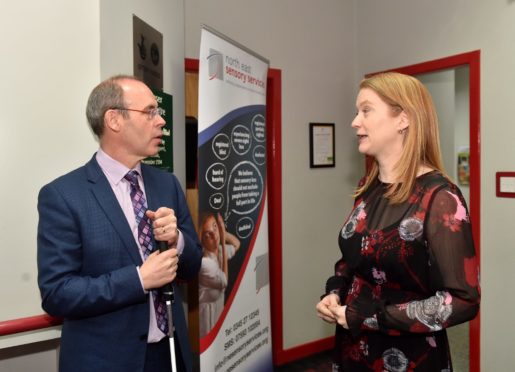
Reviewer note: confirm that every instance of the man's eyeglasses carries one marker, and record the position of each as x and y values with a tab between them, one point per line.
152	113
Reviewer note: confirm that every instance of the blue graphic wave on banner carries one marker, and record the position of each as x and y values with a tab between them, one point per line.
213	129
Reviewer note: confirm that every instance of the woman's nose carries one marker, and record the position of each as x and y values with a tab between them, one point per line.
355	122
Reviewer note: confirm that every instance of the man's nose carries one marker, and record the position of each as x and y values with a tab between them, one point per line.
161	122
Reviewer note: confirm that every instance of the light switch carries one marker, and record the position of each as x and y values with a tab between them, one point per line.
507	184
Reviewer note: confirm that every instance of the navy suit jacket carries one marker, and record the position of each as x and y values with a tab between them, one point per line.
87	259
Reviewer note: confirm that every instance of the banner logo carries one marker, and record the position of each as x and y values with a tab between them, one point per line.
216	64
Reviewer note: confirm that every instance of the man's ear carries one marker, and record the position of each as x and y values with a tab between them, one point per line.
112	120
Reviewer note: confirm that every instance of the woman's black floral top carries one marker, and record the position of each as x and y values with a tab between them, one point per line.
407	272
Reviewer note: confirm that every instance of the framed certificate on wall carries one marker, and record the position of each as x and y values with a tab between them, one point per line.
321	145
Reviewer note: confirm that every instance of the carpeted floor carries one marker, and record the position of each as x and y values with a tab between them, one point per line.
320	362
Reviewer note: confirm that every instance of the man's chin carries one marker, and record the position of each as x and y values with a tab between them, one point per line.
154	152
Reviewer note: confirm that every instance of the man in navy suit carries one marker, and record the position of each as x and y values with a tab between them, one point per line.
92	271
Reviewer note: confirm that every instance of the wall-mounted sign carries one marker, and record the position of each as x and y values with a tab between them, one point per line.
147	47
164	158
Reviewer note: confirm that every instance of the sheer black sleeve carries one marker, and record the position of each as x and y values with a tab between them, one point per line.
453	271
340	281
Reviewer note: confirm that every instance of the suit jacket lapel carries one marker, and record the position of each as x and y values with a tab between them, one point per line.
109	204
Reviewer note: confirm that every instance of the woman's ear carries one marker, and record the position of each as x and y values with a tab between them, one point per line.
403	122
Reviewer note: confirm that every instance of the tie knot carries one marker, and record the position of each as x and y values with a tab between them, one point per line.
132	177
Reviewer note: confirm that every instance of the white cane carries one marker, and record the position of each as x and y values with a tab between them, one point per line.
168	296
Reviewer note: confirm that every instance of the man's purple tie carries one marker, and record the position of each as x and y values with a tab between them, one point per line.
146	242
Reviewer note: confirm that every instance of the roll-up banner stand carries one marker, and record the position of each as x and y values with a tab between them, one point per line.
234	291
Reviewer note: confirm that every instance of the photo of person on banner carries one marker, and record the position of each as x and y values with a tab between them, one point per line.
218	247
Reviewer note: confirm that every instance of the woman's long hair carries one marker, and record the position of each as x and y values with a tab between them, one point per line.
421	140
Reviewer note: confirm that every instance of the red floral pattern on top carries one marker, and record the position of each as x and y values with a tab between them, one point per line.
471	271
400	278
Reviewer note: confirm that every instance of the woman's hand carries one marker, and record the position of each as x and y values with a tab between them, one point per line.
339	315
324	307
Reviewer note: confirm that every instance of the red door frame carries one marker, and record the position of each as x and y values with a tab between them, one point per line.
472	60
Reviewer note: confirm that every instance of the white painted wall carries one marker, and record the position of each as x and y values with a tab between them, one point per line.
312	43
49	63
